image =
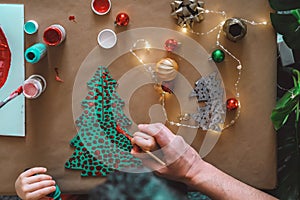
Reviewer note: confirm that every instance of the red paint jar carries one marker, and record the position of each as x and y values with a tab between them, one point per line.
34	86
101	7
54	35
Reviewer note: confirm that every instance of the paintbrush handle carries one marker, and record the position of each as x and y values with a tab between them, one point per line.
5	101
119	129
2	103
155	158
8	99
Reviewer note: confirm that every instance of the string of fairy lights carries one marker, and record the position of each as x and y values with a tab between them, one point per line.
221	49
154	78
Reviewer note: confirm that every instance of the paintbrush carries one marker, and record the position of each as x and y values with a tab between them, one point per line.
155	157
13	95
120	130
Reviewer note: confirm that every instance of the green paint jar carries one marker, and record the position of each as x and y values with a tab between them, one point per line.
35	53
56	195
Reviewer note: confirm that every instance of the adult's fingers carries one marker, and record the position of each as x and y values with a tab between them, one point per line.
143	135
160	132
139	154
146	142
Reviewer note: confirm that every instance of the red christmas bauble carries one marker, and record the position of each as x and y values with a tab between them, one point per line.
232	104
122	19
171	45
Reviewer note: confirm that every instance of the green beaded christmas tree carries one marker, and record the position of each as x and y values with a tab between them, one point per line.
100	148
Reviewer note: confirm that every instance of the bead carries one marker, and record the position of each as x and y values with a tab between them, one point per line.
218	55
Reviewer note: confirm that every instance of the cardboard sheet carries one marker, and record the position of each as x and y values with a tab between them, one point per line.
246	150
12	115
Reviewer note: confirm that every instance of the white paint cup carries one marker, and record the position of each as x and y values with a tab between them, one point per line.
31	27
107	38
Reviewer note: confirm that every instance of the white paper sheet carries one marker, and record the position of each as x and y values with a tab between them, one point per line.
12	115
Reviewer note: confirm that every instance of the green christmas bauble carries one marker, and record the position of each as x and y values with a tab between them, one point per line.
218	55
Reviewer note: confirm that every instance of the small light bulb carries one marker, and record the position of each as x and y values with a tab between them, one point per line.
184	29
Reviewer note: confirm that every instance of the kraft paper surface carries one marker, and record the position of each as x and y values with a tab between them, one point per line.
247	150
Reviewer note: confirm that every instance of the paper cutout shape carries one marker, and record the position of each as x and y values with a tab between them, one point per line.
99	147
208	90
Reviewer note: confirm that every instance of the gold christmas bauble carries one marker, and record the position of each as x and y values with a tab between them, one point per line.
166	69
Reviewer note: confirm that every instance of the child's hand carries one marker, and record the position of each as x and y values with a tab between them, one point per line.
30	186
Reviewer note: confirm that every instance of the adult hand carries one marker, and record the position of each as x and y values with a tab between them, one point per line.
185	165
182	161
34	184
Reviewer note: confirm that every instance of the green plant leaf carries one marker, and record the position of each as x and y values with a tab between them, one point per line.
284	4
287	104
284	24
287	26
292	41
283	109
